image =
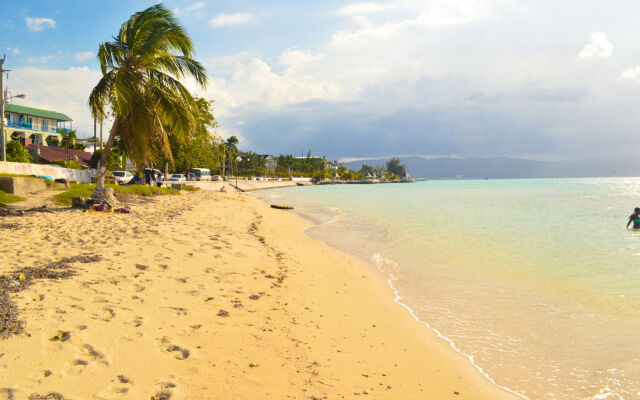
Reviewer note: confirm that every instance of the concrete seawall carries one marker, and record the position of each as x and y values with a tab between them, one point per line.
74	175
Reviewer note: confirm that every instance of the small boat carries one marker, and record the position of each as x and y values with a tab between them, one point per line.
281	207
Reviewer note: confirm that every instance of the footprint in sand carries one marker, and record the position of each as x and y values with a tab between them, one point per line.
89	352
179	310
164	392
108	314
7	393
179	353
118	387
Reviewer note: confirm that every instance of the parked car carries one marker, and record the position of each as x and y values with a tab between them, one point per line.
215	177
122	177
177	178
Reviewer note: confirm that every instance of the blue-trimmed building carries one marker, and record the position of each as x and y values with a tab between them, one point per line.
40	126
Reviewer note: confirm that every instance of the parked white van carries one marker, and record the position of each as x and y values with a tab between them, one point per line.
122	177
201	174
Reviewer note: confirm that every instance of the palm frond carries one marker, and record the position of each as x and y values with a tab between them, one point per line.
100	97
183	67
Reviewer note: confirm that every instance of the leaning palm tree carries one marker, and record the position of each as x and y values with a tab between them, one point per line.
141	91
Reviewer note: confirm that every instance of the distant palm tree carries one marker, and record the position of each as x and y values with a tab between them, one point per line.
231	146
140	87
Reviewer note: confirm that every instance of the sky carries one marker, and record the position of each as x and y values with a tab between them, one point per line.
536	79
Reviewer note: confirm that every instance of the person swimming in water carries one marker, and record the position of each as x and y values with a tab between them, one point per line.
635	218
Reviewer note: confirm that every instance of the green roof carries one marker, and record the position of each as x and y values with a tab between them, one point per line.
36	111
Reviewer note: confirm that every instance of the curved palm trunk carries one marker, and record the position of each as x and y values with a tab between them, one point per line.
103	194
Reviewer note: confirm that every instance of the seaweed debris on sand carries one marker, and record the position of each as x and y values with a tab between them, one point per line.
22	278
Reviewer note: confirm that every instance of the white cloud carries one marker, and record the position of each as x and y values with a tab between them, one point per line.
598	47
351	60
296	59
222	20
360	8
434	14
254	81
84	56
14	50
40	59
193	7
37	24
81	69
631	74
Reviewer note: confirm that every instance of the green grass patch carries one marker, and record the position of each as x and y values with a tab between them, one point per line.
142	190
76	190
6	198
188	188
86	190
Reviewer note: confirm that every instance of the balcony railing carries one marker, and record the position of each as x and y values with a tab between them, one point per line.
26	125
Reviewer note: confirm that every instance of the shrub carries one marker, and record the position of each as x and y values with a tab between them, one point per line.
16	152
67	164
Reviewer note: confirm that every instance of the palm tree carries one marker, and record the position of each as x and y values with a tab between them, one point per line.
140	87
232	145
232	149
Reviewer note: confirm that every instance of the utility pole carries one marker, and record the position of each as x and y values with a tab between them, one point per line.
2	135
100	134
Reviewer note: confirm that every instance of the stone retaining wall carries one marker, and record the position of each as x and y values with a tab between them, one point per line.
22	186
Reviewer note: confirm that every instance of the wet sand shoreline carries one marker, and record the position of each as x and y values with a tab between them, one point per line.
215	296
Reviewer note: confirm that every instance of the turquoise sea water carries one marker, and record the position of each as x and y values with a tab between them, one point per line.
536	281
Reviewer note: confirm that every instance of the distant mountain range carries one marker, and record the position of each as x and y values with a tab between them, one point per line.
507	168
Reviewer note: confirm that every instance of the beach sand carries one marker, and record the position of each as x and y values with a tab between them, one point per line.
211	296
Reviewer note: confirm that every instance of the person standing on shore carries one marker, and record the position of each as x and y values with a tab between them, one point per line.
147	177
635	218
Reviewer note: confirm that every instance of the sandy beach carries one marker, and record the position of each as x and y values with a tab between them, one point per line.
210	295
